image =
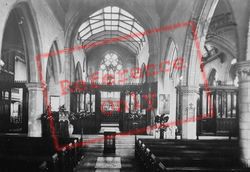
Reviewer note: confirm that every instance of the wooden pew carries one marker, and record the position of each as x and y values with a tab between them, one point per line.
74	152
20	153
178	155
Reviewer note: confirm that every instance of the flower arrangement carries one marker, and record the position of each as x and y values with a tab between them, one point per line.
162	121
79	115
135	115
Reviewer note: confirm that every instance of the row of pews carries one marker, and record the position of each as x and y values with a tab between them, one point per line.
37	154
156	155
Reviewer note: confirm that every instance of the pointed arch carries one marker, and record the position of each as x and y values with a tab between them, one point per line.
203	14
53	66
30	38
144	17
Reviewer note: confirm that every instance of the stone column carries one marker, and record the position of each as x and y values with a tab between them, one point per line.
188	98
68	73
35	109
244	110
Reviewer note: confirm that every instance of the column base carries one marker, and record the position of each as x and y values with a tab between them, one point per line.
189	131
188	118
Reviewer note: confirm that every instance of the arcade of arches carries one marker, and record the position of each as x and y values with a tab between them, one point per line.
110	63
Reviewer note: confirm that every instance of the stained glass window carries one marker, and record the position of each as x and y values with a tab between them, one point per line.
109	69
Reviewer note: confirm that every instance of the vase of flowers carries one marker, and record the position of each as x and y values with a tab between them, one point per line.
162	121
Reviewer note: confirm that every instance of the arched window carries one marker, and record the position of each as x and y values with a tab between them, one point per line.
172	55
110	67
170	58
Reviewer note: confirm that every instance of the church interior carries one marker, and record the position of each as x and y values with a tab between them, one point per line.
115	85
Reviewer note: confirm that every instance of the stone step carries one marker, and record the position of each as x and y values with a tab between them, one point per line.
107	170
110	125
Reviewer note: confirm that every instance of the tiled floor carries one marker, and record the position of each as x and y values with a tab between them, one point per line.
124	149
108	164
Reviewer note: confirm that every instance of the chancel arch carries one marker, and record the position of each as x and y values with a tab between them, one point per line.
115	64
124	78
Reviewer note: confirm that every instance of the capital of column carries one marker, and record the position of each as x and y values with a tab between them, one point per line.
243	71
36	86
188	89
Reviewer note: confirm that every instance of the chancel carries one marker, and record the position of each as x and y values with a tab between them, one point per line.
124	85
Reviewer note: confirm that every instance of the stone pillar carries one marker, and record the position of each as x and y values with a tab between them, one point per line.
68	72
35	109
244	110
188	98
